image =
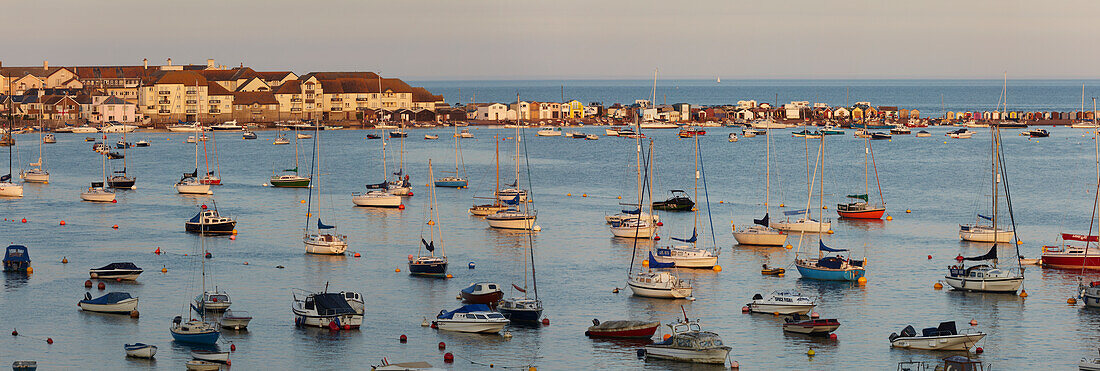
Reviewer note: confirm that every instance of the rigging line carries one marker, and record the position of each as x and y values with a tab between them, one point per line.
641	199
871	150
710	218
1095	201
527	207
312	167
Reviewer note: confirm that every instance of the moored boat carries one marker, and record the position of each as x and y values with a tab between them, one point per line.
943	337
830	267
114	302
689	343
622	329
1072	256
209	221
330	310
659	284
97	193
481	293
17	259
234	319
140	350
126	271
194	331
471	318
781	302
984	277
678	201
210	355
801	324
200	365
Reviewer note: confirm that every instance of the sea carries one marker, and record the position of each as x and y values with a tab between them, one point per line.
931	185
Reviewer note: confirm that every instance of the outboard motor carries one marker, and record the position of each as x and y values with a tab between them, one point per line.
177	320
893	335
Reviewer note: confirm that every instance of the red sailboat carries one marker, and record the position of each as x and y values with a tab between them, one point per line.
864	209
1074	255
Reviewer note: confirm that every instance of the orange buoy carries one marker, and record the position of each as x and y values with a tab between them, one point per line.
232	238
666	337
49	340
115	226
135	314
62	222
64	260
1071	301
397	269
815	315
973	322
937	286
357	255
832	336
745	309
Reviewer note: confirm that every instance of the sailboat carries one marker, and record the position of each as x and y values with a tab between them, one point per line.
7	187
648	282
804	221
991	277
835	267
378	194
189	183
1073	255
209	301
430	264
320	242
864	209
528	308
760	232
689	256
497	205
514	191
37	173
212	177
289	178
513	217
97	192
636	223
400	185
196	330
458	180
119	178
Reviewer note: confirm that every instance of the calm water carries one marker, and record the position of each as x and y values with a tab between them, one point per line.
929	96
579	263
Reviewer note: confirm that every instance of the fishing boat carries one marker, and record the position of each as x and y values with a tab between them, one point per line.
429	264
471	318
923	134
37	173
290	177
8	188
556	132
16	259
209	221
211	301
458	177
140	350
622	329
210	355
826	267
689	343
802	324
943	337
114	303
864	209
678	201
760	232
481	293
322	241
234	319
781	302
125	271
247	135
324	309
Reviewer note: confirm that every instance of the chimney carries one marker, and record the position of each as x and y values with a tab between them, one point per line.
210	63
169	61
45	65
145	62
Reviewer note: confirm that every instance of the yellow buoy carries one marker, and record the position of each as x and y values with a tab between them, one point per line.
938	286
862	281
810	352
569	194
824	207
1023	293
889	217
30	270
789	246
830	231
584	195
397	269
717	268
780	275
908	211
164	270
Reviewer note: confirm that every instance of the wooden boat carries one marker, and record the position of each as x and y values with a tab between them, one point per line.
209	355
140	350
772	271
200	365
114	302
126	271
944	337
804	325
622	329
481	293
689	343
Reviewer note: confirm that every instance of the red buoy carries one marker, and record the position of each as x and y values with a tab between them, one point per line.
448	358
404	338
114	201
49	340
209	255
102	286
88	284
546	321
660	224
204	206
929	257
745	309
832	336
333	326
228	362
959	258
24	220
347	327
232	347
979	350
434	325
62	222
158	251
410	194
656	238
357	255
14	332
115	226
118	280
442	345
401	207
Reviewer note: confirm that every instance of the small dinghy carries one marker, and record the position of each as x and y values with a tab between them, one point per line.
16	259
772	271
141	143
200	365
209	355
24	365
473	318
235	320
781	302
403	366
733	137
431	137
923	134
944	337
804	325
140	350
114	302
482	293
374	136
689	343
126	271
248	135
622	329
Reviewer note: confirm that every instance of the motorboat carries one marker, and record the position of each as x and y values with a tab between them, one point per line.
622	329
49	139
374	136
521	309
140	350
1070	255
611	132
781	302
209	221
556	132
451	182
831	130
376	198
114	302
97	193
465	134
16	259
591	137
481	293
512	218
472	318
689	343
189	184
325	243
84	129
234	319
430	137
628	133
125	271
900	130
962	133
327	309
289	181
227	126
194	331
249	135
183	128
1086	364
830	267
880	136
679	201
355	300
1038	133
862	133
121	144
141	143
733	137
983	277
984	233
802	324
200	365
659	284
1090	294
634	228
943	337
399	134
923	134
210	355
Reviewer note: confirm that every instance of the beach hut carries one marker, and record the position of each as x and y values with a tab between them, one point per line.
903	113
915	114
991	115
841	113
950	115
857	114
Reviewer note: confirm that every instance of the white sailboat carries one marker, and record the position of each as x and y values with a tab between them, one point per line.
98	192
196	330
8	188
803	219
514	217
760	232
431	265
458	180
691	255
321	241
636	223
209	301
653	282
496	205
37	173
377	195
189	183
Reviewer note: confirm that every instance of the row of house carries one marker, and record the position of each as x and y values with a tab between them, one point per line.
207	93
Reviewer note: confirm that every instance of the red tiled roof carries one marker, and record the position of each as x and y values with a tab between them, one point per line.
290	87
213	88
187	78
250	97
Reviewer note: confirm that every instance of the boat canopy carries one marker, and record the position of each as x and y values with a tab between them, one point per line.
474	287
465	309
291	170
763	221
633	212
513	201
1079	237
323	225
694	237
383	185
991	255
126	265
16	253
821	245
332	304
110	298
196	218
97	184
797	212
4	178
861	197
653	263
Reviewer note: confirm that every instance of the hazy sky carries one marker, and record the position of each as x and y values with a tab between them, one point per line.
520	39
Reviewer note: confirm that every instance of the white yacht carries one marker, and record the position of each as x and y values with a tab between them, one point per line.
944	337
326	243
324	310
803	224
376	198
474	318
634	228
511	218
782	302
549	132
659	284
759	235
985	233
97	193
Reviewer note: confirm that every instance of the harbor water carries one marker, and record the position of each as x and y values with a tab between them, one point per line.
574	184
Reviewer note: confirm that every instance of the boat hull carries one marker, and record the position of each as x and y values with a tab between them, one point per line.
951	342
451	183
645	331
659	293
376	201
983	236
97	196
235	323
306	320
116	275
806	227
35	177
11	190
821	274
713	355
812	327
781	309
634	232
1071	261
146	351
471	327
689	262
127	183
760	239
193	189
293	183
864	214
510	223
1003	285
488	298
486	210
122	307
208	338
436	269
521	315
218	228
329	248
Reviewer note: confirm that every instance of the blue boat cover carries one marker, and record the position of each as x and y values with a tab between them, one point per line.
382	185
633	212
465	309
653	263
323	225
332	304
822	246
830	262
16	253
796	212
196	218
513	201
694	237
110	298
763	222
4	178
985	217
126	265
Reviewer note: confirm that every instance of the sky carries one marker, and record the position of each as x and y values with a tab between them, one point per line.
570	39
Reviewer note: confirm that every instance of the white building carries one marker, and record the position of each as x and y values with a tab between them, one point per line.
493	112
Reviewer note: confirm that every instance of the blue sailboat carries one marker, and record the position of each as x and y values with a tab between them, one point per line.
834	267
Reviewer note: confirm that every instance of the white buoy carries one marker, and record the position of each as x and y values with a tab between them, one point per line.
425	323
133	187
536	228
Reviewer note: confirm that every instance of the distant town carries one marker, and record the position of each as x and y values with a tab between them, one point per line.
159	95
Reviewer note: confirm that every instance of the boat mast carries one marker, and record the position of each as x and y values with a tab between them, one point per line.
517	142
767	166
295	152
385	172
432	223
214	143
1096	199
496	158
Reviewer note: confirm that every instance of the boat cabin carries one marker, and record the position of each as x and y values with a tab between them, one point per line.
980	271
16	259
